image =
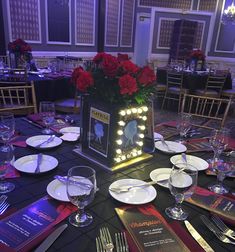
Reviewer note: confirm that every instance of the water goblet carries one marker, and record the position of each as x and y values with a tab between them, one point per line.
6	156
81	188
184	125
218	141
182	182
47	111
7	129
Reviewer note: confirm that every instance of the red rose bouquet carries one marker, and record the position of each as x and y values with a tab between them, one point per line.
115	80
197	54
19	46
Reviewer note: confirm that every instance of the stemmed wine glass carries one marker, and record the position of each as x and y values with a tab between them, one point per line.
81	188
182	182
47	111
7	130
219	141
184	125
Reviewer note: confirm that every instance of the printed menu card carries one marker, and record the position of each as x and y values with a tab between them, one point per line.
18	230
149	230
218	204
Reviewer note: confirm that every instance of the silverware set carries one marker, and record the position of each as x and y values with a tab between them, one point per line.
104	242
3	204
220	230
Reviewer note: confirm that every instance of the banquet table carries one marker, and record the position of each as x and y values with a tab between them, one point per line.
30	187
192	80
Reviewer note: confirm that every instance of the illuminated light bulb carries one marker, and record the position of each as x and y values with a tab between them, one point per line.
144	118
118	151
145	109
122	112
134	110
118	160
128	112
121	123
140	110
139	152
128	155
142	127
140	143
134	154
120	132
123	157
119	141
141	135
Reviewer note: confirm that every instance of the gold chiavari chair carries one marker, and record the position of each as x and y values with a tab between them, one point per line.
206	111
18	99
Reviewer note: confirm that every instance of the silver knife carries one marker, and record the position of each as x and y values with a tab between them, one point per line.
198	237
45	245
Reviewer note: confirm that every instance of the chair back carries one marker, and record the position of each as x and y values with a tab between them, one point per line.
20	100
4	61
206	110
174	79
14	74
216	82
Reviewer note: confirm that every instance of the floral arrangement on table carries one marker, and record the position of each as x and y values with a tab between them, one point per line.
21	50
116	80
197	54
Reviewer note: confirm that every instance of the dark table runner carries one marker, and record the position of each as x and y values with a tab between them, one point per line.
192	81
29	188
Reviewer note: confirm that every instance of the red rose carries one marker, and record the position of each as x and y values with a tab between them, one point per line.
146	76
122	57
110	65
127	85
76	73
99	57
129	67
84	81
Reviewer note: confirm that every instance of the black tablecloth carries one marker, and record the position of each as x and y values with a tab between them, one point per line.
29	188
192	81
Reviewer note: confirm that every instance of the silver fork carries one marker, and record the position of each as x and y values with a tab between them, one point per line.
121	242
99	246
215	230
106	239
225	229
3	198
167	146
4	207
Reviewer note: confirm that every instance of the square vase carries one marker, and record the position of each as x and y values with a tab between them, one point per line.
111	135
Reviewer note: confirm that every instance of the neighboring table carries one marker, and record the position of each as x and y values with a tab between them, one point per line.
191	80
29	188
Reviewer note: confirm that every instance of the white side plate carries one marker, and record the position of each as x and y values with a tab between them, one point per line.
36	140
161	174
57	190
197	162
135	196
174	147
28	163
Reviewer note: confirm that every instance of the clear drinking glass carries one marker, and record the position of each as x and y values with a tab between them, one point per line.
182	182
7	129
81	188
6	156
47	111
184	125
218	141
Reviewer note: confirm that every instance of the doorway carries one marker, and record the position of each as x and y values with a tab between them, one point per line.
142	37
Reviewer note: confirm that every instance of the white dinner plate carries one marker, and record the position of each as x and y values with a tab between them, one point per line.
74	130
70	137
161	174
174	147
57	190
36	140
28	163
197	162
135	196
157	136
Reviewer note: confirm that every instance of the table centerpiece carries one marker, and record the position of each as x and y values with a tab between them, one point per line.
197	60
114	110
